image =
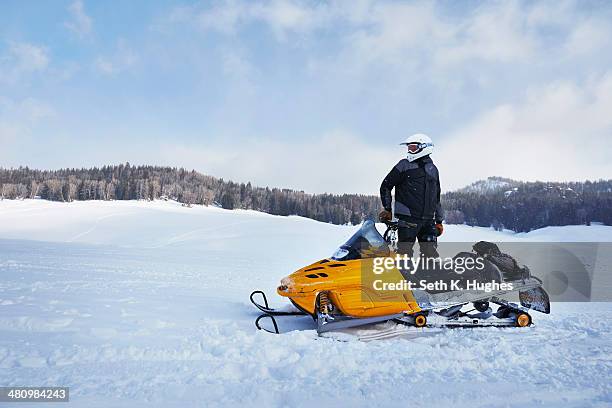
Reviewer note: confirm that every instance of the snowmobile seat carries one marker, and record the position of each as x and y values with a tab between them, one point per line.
507	265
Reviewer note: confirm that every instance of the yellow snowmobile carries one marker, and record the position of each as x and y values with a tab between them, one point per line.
346	290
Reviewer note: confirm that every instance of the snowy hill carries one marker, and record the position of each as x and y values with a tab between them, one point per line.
491	184
145	224
146	304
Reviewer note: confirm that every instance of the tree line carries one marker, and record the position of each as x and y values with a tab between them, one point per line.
501	203
127	182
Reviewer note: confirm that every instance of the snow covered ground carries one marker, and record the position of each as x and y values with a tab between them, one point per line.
146	304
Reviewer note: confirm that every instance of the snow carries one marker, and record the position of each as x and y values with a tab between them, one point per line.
146	304
570	233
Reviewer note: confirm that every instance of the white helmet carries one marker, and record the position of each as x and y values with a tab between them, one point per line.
419	145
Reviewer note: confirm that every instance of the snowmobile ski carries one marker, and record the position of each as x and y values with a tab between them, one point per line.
274	324
265	308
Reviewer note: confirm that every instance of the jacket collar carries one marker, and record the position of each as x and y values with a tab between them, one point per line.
423	160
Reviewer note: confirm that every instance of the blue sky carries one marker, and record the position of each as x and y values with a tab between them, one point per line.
310	95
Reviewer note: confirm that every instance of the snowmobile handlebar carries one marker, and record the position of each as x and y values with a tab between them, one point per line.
394	225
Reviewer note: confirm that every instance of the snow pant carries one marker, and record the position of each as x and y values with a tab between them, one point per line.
413	229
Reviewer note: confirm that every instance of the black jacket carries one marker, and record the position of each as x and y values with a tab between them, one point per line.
417	189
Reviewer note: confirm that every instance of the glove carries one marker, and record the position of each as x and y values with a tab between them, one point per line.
385	216
439	228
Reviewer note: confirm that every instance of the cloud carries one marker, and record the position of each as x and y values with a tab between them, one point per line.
122	59
18	117
501	31
285	16
236	66
498	33
282	16
337	162
80	24
587	37
8	133
414	43
556	131
390	30
21	59
28	57
559	131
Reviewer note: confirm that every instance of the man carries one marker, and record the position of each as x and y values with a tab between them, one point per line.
417	198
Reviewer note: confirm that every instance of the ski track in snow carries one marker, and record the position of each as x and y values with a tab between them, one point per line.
151	309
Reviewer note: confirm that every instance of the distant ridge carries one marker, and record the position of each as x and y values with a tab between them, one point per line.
524	206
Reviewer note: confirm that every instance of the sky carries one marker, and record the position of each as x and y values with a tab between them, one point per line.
310	95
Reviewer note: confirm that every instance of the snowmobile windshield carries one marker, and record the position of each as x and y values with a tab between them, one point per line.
365	243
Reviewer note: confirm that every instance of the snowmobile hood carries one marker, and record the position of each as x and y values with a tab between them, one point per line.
343	269
325	274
